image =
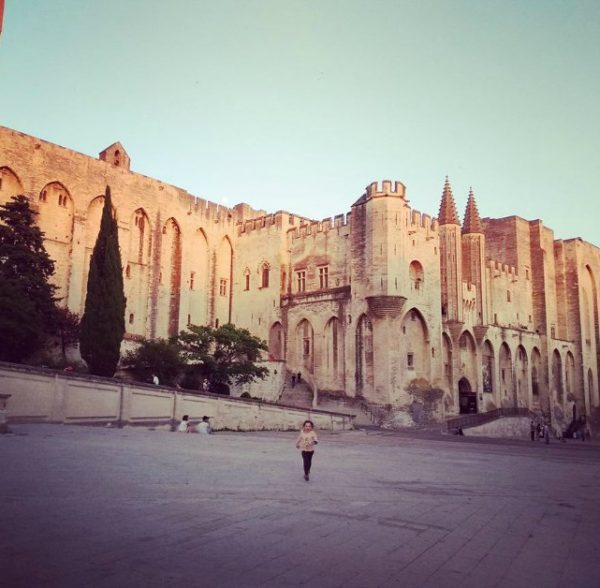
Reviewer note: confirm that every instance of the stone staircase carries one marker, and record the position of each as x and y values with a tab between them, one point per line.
299	395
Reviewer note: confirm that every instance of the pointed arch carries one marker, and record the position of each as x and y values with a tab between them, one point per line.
140	238
590	329
332	336
507	389
10	184
305	340
137	272
364	375
197	281
468	357
557	377
223	274
169	287
416	274
413	346
488	367
264	271
92	227
55	219
277	341
467	397
447	359
574	391
522	376
537	388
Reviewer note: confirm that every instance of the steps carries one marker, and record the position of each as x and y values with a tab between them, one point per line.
299	395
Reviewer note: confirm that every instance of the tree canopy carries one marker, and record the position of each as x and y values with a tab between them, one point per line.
222	356
27	302
103	321
158	357
206	358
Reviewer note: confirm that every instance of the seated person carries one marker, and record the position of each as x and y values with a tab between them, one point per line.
204	427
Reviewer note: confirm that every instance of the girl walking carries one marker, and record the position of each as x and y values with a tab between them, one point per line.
306	443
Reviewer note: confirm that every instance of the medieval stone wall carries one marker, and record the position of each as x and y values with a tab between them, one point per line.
384	302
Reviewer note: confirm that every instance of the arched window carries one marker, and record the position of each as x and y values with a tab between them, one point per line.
487	367
416	274
265	275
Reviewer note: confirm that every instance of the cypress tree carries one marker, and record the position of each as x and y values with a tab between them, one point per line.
26	296
103	321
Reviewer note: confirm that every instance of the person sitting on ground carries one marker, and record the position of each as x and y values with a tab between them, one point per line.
204	427
185	425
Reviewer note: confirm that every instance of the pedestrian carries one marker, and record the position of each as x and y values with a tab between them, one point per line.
306	443
204	427
184	425
539	430
547	433
299	377
155	380
293	380
532	429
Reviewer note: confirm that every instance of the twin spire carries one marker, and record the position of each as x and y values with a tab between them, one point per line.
449	216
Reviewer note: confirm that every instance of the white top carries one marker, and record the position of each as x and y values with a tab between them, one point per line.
204	428
183	427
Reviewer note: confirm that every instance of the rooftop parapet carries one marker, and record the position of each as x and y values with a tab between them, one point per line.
498	268
278	220
387	188
306	229
420	220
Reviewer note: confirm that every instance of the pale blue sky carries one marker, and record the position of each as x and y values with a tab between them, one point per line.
298	105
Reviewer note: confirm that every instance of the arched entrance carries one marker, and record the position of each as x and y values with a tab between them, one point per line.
277	342
467	399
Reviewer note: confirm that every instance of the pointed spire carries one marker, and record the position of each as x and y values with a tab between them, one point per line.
447	214
472	222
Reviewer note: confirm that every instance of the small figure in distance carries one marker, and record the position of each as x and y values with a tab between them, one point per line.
299	377
155	380
293	380
532	429
204	427
184	425
546	433
306	443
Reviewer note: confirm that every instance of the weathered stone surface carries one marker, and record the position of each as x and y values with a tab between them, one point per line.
500	314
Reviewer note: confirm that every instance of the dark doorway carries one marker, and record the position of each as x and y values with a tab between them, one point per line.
467	399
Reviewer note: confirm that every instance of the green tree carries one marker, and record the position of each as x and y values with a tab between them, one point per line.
222	356
158	356
26	297
103	321
65	326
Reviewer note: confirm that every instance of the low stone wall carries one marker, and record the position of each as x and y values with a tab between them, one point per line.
507	427
270	388
39	395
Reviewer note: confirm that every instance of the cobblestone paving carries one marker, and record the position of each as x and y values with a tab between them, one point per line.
96	507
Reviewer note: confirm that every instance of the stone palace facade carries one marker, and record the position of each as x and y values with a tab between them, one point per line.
383	303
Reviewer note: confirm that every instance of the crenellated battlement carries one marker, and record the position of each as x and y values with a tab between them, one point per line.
307	229
208	210
498	268
420	220
279	220
387	188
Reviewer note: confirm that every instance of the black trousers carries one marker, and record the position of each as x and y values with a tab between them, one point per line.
307	461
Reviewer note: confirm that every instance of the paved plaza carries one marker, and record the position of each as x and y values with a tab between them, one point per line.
95	507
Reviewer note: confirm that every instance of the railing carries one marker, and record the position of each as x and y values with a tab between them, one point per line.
480	418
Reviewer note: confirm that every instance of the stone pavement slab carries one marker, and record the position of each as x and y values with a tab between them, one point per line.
95	507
